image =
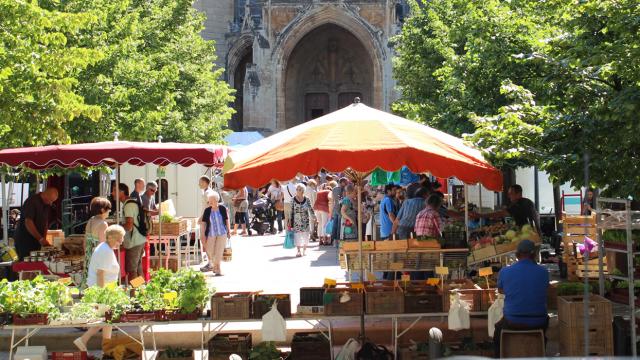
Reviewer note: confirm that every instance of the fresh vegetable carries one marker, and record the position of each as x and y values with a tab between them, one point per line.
185	290
113	296
265	351
166	218
37	296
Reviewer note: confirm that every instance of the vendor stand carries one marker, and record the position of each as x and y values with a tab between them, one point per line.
112	154
357	140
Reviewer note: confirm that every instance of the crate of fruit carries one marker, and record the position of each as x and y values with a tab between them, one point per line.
231	306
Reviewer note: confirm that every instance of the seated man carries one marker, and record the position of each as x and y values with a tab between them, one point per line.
524	285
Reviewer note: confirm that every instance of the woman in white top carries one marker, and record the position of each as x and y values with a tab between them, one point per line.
103	269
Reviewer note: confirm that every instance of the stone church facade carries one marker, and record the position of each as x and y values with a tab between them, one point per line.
291	61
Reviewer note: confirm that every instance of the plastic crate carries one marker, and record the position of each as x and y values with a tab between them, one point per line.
311	296
223	345
262	304
30	319
69	355
231	306
310	346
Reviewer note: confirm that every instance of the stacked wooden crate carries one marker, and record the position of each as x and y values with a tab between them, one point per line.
571	326
575	228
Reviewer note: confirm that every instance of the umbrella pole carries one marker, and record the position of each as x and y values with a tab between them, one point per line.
359	226
466	211
5	212
117	199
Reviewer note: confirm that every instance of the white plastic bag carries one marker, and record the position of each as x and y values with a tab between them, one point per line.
459	314
349	350
274	328
495	313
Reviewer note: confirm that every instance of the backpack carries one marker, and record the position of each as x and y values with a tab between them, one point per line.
143	226
371	351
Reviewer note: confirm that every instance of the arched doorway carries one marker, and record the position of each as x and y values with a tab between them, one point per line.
239	74
326	70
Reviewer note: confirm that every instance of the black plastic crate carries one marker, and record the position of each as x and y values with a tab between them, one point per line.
310	346
222	346
311	296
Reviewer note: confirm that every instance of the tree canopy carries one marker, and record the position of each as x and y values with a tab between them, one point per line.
538	83
142	70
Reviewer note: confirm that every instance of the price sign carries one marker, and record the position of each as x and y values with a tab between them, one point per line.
406	278
433	281
172	295
396	266
65	280
357	286
330	282
137	282
486	271
442	270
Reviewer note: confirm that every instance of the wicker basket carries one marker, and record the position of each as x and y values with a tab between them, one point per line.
231	306
175	228
384	300
334	307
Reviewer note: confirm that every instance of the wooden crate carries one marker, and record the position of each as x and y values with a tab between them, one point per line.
391	245
355	245
423	244
231	306
178	227
505	248
571	340
334	307
384	300
486	252
422	299
571	310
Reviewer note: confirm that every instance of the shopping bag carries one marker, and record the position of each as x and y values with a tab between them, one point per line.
288	240
459	314
349	350
495	313
274	328
329	227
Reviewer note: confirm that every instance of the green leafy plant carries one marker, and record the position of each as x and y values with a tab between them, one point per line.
113	296
192	289
265	351
37	296
570	288
166	218
186	290
172	353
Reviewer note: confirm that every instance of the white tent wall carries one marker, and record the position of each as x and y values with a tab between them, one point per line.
182	182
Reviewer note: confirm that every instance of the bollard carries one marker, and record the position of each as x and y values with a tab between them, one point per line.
435	343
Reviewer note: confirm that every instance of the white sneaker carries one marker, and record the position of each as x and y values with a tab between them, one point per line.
80	344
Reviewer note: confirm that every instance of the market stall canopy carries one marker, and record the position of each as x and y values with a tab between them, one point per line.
363	139
111	153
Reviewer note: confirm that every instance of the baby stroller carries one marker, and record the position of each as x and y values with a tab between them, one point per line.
263	215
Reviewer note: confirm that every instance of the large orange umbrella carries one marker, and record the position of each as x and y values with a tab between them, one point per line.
363	139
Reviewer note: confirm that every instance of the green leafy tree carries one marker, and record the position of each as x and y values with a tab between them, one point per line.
540	83
157	76
40	64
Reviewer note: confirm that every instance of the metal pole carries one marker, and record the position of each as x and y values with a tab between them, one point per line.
466	211
585	258
536	188
630	271
5	212
359	226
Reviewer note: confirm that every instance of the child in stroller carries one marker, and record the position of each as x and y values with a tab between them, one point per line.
263	215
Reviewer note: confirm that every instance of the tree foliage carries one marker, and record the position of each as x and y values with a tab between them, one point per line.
79	70
40	66
554	80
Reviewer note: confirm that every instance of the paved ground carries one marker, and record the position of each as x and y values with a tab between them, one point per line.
261	263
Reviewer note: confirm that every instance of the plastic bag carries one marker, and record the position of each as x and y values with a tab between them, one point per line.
495	313
274	328
329	227
459	314
289	243
349	350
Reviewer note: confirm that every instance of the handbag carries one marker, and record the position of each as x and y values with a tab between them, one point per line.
329	227
237	202
279	205
288	240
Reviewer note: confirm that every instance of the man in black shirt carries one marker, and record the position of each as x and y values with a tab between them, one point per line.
522	210
32	229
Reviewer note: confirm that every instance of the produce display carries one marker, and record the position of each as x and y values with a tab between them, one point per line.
185	291
618	237
499	234
30	297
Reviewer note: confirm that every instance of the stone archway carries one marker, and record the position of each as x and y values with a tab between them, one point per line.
238	58
353	30
327	69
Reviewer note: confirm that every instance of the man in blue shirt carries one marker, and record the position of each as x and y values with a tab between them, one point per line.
406	219
524	285
388	212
